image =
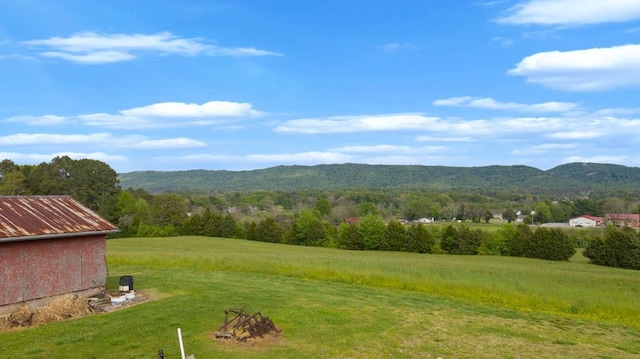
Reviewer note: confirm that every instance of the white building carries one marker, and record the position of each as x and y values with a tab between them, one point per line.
585	221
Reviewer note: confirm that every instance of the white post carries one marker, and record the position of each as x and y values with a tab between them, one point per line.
181	346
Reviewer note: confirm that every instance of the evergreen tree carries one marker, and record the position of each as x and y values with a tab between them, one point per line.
418	239
393	237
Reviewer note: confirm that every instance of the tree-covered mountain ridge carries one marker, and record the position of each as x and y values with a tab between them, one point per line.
575	177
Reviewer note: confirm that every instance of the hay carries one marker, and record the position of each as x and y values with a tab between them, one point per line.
65	307
61	308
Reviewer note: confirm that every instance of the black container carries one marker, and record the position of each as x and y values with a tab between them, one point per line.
126	283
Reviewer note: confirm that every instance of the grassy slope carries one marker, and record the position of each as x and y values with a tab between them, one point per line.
347	304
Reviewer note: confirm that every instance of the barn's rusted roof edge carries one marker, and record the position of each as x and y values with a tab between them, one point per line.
56	235
43	216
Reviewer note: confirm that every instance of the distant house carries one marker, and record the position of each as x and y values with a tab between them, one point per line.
425	220
622	219
586	221
50	245
352	220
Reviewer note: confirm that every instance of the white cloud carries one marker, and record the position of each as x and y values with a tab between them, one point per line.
45	138
180	109
618	111
99	48
96	57
159	115
396	46
491	104
445	139
577	135
583	70
180	142
350	124
571	12
98	139
44	120
532	124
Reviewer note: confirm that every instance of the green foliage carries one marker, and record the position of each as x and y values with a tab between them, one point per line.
492	244
543	212
167	208
371	229
323	206
13	183
268	231
461	240
311	230
349	237
367	208
551	244
469	240
619	248
393	237
91	182
518	242
545	243
418	239
509	215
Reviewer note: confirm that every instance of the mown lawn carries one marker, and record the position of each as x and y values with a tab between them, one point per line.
349	304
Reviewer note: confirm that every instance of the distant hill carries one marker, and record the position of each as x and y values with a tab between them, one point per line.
567	177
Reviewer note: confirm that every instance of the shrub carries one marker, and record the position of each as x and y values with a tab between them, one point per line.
620	248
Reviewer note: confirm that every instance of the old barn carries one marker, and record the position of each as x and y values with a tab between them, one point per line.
50	245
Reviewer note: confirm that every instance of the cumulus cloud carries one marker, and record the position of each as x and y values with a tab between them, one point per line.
159	115
583	70
208	109
571	12
100	48
350	124
491	104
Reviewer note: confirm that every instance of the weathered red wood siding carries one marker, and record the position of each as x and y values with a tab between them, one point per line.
46	267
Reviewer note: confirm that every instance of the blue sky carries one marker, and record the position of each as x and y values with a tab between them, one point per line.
241	85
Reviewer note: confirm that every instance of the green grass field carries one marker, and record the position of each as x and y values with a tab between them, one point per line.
349	304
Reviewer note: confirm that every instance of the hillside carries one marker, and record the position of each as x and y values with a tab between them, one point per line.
567	177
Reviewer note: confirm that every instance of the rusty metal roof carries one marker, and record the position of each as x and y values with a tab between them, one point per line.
32	217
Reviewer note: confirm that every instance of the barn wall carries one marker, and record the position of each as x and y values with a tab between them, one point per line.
47	267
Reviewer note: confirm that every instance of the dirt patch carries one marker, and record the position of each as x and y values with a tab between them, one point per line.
247	330
258	342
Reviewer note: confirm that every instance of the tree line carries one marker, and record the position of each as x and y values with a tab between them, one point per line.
318	218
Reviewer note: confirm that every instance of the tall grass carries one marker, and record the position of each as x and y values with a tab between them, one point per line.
572	289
